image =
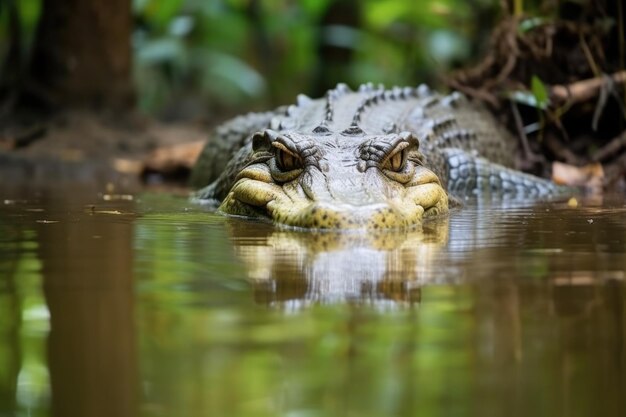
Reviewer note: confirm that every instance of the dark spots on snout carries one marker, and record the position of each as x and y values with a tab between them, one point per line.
385	218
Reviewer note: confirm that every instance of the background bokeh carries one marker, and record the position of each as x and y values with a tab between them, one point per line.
190	55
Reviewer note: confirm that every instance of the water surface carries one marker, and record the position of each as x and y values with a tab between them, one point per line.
147	305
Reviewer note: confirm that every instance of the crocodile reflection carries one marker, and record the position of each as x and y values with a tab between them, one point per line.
294	269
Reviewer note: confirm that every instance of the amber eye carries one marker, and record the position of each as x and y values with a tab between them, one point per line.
286	161
396	161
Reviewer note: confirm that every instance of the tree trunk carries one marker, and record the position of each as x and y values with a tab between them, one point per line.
82	54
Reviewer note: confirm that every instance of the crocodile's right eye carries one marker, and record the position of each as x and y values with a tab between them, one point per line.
285	160
396	161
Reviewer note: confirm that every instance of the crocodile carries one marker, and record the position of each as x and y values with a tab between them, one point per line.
372	159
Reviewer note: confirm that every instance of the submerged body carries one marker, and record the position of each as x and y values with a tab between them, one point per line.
371	158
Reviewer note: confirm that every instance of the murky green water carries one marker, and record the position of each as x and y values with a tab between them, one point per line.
145	305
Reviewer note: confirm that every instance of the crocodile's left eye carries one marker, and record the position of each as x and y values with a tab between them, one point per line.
286	160
396	161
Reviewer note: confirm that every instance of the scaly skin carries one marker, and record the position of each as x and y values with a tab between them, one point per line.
370	159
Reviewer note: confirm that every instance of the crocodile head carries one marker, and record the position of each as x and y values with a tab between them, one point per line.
347	180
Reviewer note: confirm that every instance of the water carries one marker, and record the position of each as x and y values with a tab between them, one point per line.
146	305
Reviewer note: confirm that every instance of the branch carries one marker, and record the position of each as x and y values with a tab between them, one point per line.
584	90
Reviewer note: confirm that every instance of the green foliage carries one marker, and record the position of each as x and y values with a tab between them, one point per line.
537	96
24	324
28	13
252	53
526	25
540	92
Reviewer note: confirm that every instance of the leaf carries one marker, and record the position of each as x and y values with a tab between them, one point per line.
381	14
160	12
181	26
314	7
220	68
526	25
537	97
160	50
522	97
341	36
446	46
29	11
540	92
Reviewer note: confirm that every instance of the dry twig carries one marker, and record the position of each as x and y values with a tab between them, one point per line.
583	90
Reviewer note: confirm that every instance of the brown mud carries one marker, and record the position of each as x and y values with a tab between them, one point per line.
102	148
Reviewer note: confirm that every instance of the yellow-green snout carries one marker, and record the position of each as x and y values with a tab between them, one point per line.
316	200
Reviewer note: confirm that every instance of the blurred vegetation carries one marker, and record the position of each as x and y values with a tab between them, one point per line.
234	54
242	51
205	60
24	376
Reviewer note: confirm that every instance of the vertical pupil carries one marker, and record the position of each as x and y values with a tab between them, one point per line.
396	161
286	160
